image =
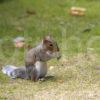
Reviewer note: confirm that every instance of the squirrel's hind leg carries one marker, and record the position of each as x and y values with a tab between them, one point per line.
32	73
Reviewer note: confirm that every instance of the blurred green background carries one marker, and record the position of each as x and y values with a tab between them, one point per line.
34	19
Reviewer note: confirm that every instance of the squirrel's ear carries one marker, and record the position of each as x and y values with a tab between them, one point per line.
47	39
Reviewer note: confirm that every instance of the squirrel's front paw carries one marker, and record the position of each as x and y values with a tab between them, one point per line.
41	79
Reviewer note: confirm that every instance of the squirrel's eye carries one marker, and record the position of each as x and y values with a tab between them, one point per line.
51	45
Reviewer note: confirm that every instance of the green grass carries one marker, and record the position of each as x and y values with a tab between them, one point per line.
75	74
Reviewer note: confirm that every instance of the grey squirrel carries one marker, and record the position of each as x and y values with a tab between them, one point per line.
47	50
36	61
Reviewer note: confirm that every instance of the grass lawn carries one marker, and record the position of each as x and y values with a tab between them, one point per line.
77	74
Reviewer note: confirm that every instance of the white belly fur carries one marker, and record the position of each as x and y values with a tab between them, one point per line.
41	68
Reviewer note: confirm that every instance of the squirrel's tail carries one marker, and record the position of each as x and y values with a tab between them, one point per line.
14	72
8	70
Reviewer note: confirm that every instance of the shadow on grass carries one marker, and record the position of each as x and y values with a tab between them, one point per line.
57	79
52	78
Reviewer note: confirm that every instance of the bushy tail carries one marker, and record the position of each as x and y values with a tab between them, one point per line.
9	70
14	72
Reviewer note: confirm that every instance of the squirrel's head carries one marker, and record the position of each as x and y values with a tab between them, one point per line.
52	46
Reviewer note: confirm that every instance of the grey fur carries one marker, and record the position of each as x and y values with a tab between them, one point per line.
41	54
14	72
